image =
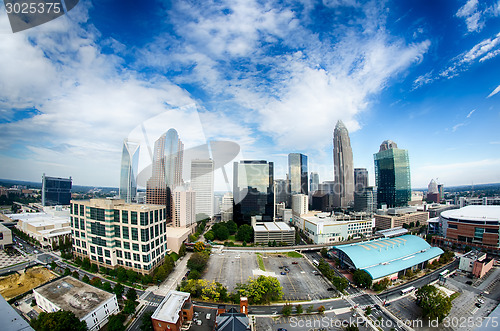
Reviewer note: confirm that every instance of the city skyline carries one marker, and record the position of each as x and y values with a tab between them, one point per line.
273	78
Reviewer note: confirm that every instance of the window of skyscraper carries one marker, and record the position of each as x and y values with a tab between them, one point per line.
133	218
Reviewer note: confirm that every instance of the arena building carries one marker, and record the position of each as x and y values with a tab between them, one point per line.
387	257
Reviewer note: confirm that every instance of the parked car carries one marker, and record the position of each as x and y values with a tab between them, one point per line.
294	262
468	282
481	301
283	273
478	305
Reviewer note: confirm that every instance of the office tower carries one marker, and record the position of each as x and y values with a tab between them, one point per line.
56	191
313	182
281	191
365	200
432	192
226	209
253	190
184	213
112	233
166	170
202	182
392	175
128	173
297	171
360	179
300	204
343	167
441	191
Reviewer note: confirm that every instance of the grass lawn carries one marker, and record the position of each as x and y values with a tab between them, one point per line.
261	263
232	237
293	254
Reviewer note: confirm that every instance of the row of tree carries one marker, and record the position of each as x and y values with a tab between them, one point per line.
200	227
287	309
340	283
221	231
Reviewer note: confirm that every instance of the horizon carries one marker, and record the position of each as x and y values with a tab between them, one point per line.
272	78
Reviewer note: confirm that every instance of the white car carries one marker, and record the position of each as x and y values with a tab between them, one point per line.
207	316
481	301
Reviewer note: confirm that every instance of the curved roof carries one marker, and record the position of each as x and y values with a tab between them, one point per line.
389	255
474	213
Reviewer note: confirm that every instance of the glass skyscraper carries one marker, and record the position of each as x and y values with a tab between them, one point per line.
128	173
56	191
297	170
253	190
392	175
166	170
343	171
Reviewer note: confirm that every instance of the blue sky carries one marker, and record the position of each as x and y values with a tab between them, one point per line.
272	76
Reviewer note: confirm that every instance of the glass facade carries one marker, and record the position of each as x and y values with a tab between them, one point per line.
128	173
253	190
392	175
56	191
297	171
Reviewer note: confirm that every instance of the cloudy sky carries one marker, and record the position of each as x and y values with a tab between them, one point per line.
272	76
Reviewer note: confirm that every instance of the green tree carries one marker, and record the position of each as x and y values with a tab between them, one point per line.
129	307
362	278
67	272
96	281
194	274
433	302
198	261
368	310
310	309
86	264
245	233
221	232
106	286
53	265
232	227
299	310
324	252
261	290
75	274
94	268
131	294
121	274
209	235
146	321
321	309
61	320
340	283
118	289
182	250
286	310
116	322
131	275
85	279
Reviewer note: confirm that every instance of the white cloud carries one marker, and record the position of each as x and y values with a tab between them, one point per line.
476	14
455	127
470	113
495	91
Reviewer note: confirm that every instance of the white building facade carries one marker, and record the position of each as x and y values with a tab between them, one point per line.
202	182
184	207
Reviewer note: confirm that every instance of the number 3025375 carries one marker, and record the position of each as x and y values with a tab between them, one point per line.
33	7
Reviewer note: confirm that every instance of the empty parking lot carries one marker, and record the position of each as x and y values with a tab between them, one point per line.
299	283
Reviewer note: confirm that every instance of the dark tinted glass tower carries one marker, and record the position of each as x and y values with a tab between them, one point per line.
56	191
392	175
253	190
297	171
343	171
314	182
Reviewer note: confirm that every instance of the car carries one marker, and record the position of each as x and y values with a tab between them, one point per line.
294	262
481	301
283	273
330	289
468	282
207	316
478	305
280	267
377	306
281	329
388	304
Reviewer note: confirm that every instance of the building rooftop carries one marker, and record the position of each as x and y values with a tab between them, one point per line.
40	219
168	310
386	256
233	321
73	295
474	213
325	218
117	203
392	232
474	255
271	226
11	320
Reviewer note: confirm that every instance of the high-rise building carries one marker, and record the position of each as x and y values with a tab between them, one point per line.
185	207
202	182
365	200
360	179
300	204
297	171
343	167
313	182
166	170
226	208
128	173
281	191
56	191
253	190
392	175
113	233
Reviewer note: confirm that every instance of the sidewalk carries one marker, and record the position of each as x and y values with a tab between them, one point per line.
173	279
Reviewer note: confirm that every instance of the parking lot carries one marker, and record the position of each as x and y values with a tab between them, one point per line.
301	282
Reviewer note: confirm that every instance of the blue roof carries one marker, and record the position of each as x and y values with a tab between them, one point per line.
389	255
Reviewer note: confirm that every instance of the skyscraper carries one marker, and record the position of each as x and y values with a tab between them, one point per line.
364	196
184	213
313	182
360	179
281	191
297	170
128	173
343	172
167	170
202	182
392	175
253	190
56	191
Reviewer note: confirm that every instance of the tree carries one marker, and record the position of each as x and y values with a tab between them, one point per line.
96	281
86	264
53	265
199	247
94	268
340	283
287	310
131	275
116	322
131	294
61	320
324	252
209	235
368	310
310	309
194	274
433	302
146	322
129	307
198	261
121	274
67	272
232	227
321	309
221	232
261	290
182	250
75	274
85	279
362	278
106	286
118	289
245	233
299	310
